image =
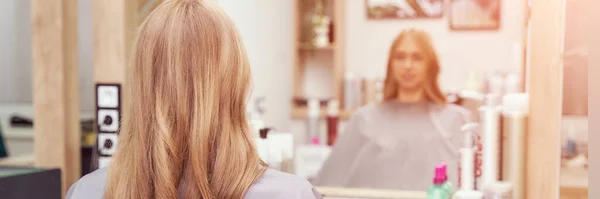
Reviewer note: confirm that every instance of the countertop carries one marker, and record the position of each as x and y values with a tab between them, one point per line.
574	183
346	193
23	109
6	111
574	177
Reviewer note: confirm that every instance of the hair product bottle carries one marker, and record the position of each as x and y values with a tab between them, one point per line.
320	22
370	90
438	190
379	85
512	83
262	146
352	92
333	118
514	127
495	84
473	83
313	119
490	134
255	115
466	168
467	165
447	184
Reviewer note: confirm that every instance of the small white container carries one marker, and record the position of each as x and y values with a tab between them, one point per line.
262	146
498	190
352	92
468	195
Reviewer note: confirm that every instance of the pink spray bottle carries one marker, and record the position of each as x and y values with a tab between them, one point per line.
441	188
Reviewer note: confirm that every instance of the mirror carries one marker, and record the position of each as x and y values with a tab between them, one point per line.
574	153
404	89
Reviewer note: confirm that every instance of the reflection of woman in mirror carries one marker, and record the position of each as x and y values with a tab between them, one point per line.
396	144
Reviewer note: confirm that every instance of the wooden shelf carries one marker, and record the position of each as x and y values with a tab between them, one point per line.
302	113
331	55
308	46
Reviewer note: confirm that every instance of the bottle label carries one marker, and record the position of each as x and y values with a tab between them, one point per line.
478	162
474	172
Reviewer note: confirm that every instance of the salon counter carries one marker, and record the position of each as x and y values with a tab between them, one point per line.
346	193
20	160
574	183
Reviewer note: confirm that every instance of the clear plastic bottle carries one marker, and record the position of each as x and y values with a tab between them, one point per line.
437	191
313	121
333	118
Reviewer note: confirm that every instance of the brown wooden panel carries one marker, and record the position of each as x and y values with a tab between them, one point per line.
545	83
57	136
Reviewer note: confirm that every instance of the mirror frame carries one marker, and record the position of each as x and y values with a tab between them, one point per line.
545	91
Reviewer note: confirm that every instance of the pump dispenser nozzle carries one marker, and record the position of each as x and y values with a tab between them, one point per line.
440	174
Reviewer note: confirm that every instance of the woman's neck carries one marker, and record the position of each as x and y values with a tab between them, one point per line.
411	96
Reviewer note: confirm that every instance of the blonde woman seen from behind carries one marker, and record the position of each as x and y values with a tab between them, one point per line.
185	132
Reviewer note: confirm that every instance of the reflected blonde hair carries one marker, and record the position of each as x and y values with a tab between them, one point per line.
185	132
431	88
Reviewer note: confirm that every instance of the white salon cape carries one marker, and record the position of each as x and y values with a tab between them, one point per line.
395	145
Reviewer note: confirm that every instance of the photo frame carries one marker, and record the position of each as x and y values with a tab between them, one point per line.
404	9
474	15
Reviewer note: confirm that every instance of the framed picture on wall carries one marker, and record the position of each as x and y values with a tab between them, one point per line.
404	9
475	14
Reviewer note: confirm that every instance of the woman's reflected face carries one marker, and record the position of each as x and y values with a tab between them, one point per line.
409	64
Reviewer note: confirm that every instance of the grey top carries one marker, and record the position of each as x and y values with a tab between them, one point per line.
396	145
272	184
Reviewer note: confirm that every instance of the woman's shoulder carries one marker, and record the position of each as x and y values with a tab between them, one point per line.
367	111
272	184
278	185
453	111
89	186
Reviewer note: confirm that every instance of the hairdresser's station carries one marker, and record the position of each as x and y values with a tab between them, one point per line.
370	99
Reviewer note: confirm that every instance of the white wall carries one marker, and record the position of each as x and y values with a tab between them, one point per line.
267	29
85	43
368	42
15	53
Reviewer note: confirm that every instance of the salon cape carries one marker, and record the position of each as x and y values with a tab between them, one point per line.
396	145
272	184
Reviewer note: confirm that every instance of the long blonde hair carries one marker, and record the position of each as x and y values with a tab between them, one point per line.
185	132
432	89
